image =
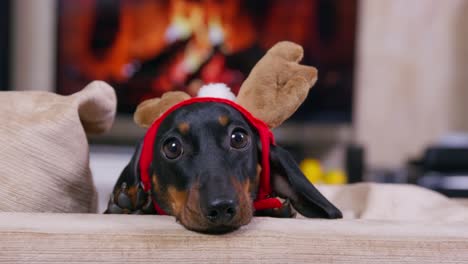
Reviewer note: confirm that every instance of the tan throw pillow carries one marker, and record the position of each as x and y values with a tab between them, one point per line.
44	152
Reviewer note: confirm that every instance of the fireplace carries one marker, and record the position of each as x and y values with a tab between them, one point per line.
147	47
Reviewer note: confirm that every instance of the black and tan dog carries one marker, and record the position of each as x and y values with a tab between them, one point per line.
206	171
213	165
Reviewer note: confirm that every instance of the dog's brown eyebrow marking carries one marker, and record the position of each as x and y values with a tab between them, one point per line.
223	120
183	127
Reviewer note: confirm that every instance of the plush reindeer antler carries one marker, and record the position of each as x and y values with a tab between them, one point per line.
278	84
151	109
275	88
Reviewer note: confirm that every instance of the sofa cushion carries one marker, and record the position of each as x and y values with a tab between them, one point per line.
44	156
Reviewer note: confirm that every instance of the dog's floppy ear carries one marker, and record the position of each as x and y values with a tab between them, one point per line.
151	109
288	182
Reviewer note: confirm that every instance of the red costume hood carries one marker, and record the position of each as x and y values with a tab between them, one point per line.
263	199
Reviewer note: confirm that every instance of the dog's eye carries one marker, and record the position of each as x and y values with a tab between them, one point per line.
172	148
239	139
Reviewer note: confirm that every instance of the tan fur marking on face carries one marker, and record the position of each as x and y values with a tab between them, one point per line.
184	128
154	180
257	178
177	200
245	212
247	186
223	120
191	216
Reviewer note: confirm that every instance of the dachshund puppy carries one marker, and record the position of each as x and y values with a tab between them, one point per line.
206	167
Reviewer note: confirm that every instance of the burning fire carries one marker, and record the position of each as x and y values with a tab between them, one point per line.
147	47
148	27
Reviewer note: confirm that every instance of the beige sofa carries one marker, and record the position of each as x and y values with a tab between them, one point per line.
428	229
45	181
78	238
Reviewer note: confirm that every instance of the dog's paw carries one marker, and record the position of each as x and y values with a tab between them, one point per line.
129	200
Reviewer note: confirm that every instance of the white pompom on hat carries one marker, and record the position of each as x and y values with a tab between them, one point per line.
216	90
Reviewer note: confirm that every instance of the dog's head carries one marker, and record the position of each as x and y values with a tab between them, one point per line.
206	170
205	167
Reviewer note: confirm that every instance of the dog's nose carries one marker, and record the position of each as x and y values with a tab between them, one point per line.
221	211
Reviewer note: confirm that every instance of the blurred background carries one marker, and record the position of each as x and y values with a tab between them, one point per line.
390	105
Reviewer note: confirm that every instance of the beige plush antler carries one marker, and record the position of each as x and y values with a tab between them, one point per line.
278	84
151	109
